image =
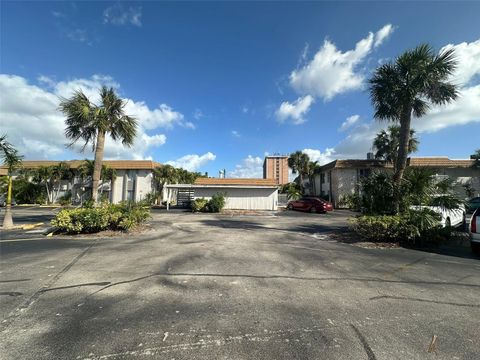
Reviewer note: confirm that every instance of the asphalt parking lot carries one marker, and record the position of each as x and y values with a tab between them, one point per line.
204	286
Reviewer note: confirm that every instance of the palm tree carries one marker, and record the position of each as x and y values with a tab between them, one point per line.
165	174
109	175
11	159
387	143
298	162
43	175
313	168
407	87
91	123
59	172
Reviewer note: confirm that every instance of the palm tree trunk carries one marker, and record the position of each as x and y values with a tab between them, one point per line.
401	162
47	201
7	219
112	182
97	169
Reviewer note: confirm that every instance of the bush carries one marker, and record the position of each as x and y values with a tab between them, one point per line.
199	205
66	199
384	228
351	201
216	203
409	227
123	216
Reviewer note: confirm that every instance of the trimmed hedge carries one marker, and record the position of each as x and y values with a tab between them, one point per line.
123	216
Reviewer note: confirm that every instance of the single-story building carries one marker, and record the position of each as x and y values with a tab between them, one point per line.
340	178
240	194
134	179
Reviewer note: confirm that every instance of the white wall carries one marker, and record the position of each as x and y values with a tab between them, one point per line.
118	187
144	184
243	199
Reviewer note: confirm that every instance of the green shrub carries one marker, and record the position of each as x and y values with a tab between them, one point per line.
216	203
351	201
383	228
410	227
199	205
66	199
123	216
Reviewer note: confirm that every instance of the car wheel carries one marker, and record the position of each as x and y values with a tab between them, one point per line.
313	210
289	207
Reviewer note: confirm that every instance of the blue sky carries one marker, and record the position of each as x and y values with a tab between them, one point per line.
219	84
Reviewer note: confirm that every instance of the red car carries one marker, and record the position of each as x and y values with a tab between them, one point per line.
311	204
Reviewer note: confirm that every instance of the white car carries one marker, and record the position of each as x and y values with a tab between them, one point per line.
475	231
448	217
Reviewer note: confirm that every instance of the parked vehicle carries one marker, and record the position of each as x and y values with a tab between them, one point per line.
3	200
310	204
448	217
475	231
473	204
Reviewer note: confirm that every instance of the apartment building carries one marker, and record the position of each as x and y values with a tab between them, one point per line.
134	179
340	178
276	167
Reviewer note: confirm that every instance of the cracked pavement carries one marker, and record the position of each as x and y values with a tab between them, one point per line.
201	286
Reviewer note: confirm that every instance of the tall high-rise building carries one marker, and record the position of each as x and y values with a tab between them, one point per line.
276	167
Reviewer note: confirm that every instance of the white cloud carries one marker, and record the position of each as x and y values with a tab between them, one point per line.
349	122
78	34
332	72
198	114
163	116
192	162
322	157
251	167
382	34
36	126
468	59
119	15
296	110
464	110
235	133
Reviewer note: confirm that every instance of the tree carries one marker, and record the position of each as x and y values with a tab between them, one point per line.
298	162
167	174
109	175
313	168
51	177
12	160
387	143
406	88
91	123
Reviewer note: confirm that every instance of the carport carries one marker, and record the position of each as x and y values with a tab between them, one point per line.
240	194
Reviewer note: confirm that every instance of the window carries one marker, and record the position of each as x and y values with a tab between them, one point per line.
322	178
